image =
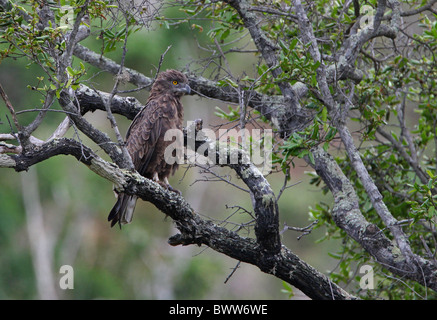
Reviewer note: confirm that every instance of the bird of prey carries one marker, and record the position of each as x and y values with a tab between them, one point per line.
145	138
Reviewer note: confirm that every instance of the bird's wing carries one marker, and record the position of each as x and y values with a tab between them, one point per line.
143	134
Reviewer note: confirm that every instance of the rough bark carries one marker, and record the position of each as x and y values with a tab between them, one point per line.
347	216
193	229
285	113
346	212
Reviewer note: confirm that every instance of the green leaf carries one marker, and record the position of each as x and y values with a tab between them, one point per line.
331	134
71	71
431	212
315	133
311	156
284	47
292	44
316	65
225	34
287	289
324	114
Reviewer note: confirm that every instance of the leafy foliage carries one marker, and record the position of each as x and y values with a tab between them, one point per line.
392	107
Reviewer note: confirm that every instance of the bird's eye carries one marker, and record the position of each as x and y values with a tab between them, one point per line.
175	82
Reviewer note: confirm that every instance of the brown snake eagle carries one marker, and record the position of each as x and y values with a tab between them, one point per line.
145	138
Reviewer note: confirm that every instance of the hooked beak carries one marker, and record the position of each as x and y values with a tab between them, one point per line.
182	89
186	89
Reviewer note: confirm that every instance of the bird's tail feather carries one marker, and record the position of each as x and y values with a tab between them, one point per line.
123	210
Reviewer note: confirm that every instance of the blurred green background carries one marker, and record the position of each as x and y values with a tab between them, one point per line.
57	211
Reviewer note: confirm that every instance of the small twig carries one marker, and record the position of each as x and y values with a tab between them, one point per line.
76	131
305	230
30	128
12	129
126	157
240	208
332	291
10	107
228	69
404	283
233	271
431	255
285	187
133	90
161	60
220	178
45	110
213	99
238	226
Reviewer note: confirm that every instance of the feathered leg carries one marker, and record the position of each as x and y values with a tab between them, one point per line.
167	185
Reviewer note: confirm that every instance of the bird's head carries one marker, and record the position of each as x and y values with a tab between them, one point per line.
172	81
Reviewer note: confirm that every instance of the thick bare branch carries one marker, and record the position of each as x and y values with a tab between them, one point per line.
375	196
193	229
274	108
339	115
347	215
100	138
